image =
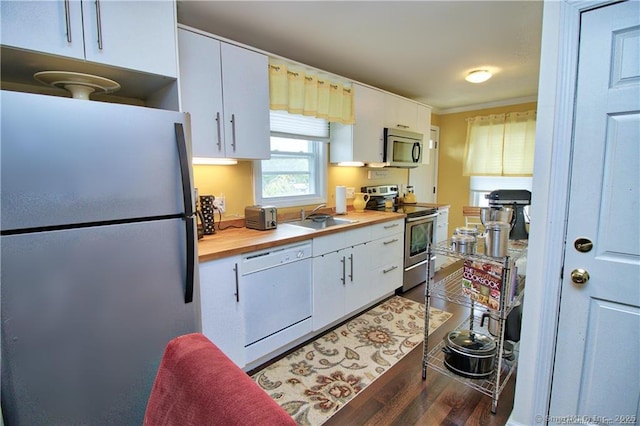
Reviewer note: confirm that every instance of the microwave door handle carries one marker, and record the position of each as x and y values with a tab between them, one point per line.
414	157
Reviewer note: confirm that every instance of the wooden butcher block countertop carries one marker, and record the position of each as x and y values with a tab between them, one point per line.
232	241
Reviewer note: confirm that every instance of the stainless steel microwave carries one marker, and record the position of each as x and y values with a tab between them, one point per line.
402	148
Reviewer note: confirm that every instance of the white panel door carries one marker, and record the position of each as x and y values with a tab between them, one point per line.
424	178
597	366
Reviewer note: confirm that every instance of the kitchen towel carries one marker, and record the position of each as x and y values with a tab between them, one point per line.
341	199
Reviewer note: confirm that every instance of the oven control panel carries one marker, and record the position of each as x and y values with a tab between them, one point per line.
381	190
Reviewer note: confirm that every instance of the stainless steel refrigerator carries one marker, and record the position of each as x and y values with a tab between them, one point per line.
98	256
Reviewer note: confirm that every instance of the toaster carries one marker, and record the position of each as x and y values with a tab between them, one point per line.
261	217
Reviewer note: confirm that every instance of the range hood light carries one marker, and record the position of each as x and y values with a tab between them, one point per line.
478	76
350	164
214	161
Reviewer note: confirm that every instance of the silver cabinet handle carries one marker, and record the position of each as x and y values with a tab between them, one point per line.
233	132
351	274
393	225
99	23
235	269
67	17
385	271
219	134
344	262
390	241
402	126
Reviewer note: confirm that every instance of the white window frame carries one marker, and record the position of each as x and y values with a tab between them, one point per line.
319	175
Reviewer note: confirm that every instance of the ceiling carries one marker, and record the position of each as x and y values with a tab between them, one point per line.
421	50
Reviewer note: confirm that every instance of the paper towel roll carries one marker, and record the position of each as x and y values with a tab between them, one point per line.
341	199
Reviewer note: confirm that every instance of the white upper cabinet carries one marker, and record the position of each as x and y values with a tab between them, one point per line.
361	141
135	35
375	110
225	88
401	113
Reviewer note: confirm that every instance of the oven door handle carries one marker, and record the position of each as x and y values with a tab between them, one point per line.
415	219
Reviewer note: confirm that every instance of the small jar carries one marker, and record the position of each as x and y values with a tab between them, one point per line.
464	244
467	230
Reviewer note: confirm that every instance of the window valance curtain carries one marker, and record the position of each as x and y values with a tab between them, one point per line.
301	91
500	145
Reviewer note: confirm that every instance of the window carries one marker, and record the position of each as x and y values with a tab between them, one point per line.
296	173
479	186
500	145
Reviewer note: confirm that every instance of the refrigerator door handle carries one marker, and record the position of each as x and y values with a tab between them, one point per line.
188	211
184	170
191	261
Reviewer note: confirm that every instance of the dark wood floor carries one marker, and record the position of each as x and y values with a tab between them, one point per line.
400	396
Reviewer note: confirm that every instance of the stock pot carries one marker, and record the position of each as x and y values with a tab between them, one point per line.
469	353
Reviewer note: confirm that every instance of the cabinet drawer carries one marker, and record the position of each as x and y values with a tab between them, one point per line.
333	242
384	229
387	278
387	250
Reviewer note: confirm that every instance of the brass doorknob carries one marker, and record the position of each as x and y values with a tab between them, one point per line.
579	276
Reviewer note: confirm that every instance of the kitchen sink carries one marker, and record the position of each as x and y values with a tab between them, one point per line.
328	223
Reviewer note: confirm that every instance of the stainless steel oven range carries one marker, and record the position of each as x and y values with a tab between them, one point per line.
420	226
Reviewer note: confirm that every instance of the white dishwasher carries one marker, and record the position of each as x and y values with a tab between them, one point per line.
275	285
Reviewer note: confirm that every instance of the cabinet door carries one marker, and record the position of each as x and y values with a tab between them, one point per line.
245	82
361	141
359	284
201	92
138	35
401	113
328	288
221	309
53	27
368	131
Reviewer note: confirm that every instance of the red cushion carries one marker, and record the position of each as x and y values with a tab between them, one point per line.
197	384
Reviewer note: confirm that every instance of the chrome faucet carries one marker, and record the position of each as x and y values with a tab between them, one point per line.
303	215
317	208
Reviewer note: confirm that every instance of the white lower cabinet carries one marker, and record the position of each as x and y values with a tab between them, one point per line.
386	252
341	284
355	268
350	270
221	308
339	275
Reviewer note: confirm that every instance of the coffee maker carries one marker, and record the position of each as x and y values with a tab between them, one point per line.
517	199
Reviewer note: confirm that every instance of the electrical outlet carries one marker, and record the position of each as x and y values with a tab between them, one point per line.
219	204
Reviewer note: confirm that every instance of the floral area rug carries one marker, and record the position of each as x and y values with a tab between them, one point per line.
315	381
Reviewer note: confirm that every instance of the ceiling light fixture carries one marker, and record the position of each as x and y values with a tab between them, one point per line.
478	76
